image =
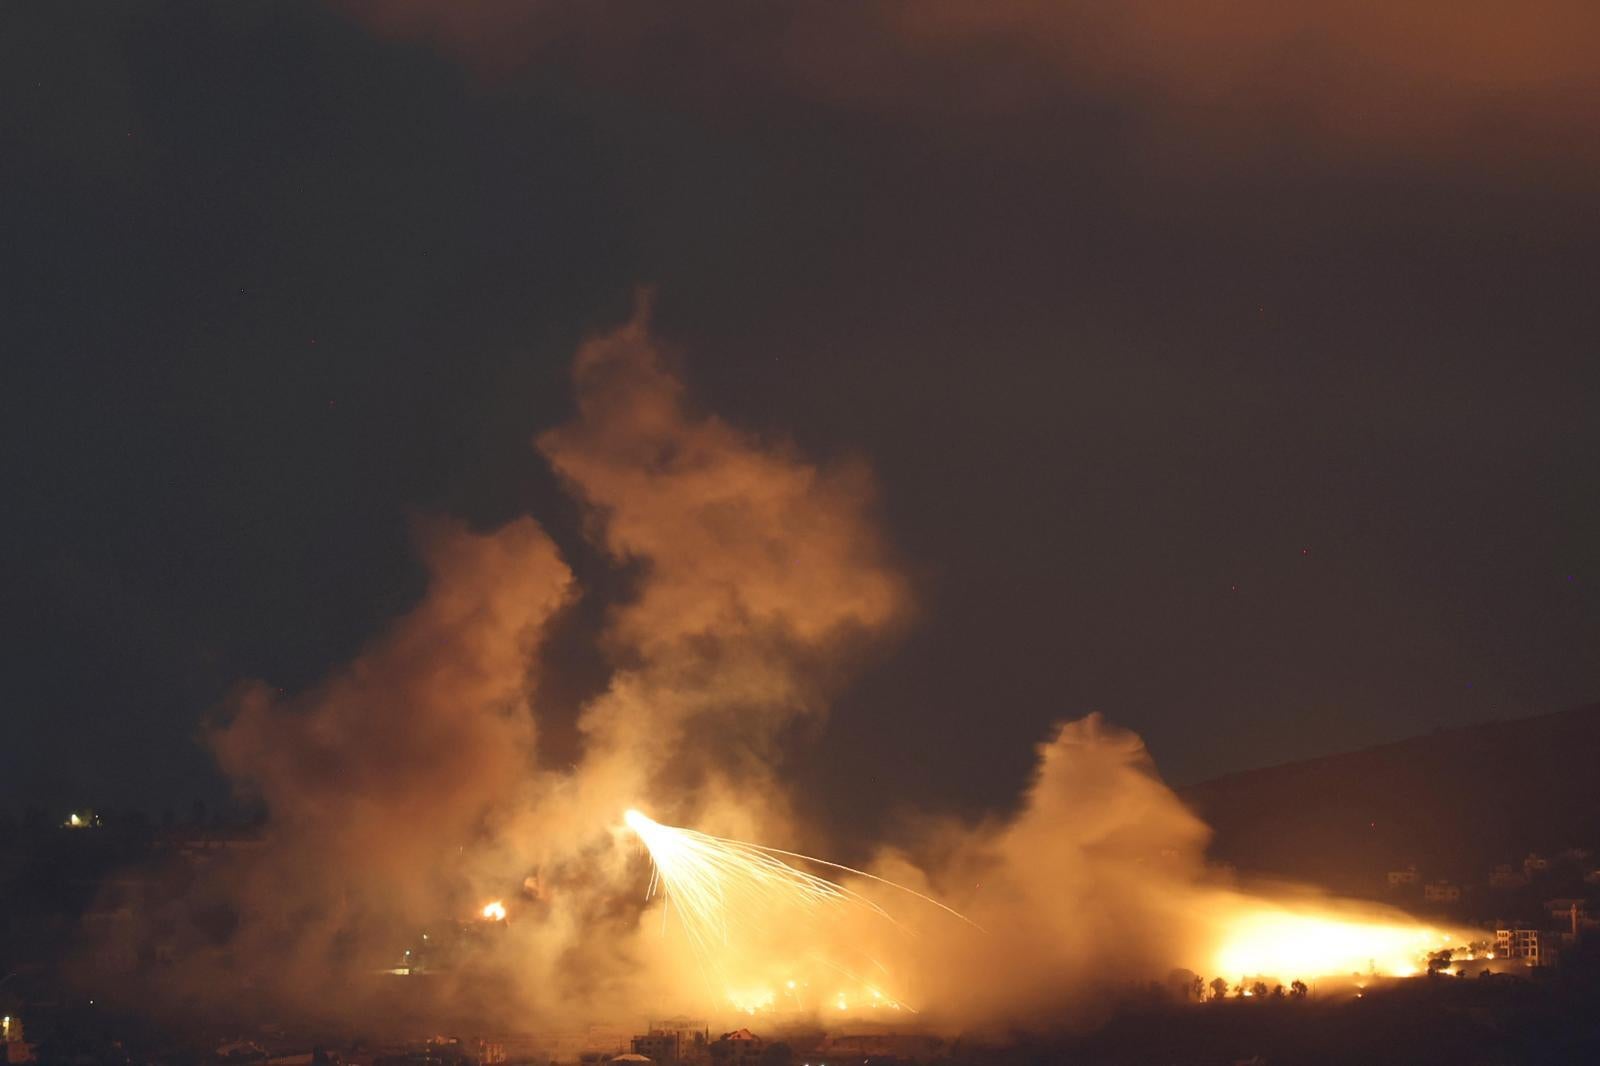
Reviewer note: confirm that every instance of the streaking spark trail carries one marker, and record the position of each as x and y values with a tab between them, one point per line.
721	888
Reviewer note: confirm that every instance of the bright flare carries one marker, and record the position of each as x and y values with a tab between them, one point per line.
710	877
1274	942
719	884
494	912
720	887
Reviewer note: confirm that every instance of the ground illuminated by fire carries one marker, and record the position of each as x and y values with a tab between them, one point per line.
1267	939
719	889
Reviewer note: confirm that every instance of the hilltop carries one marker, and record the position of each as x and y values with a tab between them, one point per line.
1454	803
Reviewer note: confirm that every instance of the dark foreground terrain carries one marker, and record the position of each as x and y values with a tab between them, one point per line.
1494	1021
1455	1021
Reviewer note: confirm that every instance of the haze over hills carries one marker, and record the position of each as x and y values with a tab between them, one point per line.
1453	803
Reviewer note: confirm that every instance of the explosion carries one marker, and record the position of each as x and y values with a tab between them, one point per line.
758	574
722	887
725	891
720	884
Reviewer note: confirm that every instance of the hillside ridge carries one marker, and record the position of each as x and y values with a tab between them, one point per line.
1453	802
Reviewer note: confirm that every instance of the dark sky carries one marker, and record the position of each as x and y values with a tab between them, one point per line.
1228	371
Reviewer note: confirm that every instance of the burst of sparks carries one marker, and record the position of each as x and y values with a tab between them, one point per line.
717	884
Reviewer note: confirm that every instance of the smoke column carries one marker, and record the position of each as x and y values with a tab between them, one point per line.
403	791
405	796
761	569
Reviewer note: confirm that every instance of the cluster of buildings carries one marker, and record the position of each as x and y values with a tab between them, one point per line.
1540	943
1504	877
1528	929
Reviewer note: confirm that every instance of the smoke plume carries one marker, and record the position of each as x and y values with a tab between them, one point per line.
404	793
760	571
380	778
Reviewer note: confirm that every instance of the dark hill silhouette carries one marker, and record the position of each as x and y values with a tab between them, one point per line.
1454	803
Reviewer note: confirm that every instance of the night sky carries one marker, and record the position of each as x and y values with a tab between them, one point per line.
1228	371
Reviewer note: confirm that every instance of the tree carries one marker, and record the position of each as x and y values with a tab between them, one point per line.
1298	989
1185	985
1259	990
1219	987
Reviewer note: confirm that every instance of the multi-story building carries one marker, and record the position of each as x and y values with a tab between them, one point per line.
1530	945
1401	878
1505	876
1441	892
686	1037
1563	907
659	1045
1572	915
